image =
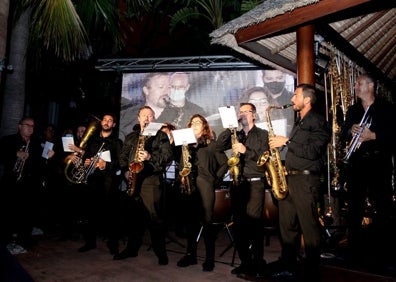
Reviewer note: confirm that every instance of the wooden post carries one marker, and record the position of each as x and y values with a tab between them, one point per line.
305	55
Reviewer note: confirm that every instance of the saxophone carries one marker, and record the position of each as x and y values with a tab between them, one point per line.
275	171
186	170
233	162
136	166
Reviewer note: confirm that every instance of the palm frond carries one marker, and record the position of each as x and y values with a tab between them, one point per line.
183	16
56	25
101	16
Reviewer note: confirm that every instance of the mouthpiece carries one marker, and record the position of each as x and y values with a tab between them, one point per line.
287	106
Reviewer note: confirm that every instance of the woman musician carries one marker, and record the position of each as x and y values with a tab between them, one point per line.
200	167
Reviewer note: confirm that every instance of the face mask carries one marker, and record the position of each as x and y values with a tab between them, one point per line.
177	95
275	87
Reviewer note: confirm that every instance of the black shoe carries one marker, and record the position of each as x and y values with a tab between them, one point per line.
208	265
163	260
113	248
260	269
187	260
242	269
86	248
125	254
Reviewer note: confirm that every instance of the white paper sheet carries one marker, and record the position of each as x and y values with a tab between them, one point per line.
184	136
152	129
66	141
106	156
228	117
47	147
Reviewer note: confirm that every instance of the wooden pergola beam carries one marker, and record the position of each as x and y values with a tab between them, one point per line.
294	18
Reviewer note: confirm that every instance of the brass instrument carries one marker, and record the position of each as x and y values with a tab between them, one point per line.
365	122
20	163
75	171
91	167
275	171
185	170
233	162
136	166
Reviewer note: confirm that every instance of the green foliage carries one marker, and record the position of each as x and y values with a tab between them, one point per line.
56	26
248	5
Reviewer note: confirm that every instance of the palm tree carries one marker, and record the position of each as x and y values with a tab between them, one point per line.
55	27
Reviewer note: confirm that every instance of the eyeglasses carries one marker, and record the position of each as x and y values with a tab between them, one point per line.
197	122
245	112
28	125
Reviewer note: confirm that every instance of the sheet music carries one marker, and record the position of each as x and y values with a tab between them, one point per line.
184	136
152	128
228	117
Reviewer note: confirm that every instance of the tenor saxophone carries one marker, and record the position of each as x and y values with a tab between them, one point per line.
136	166
186	170
275	171
233	162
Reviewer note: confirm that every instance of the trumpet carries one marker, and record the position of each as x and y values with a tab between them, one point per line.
365	122
91	167
20	163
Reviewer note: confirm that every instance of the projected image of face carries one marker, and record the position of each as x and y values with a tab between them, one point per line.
179	85
157	91
260	100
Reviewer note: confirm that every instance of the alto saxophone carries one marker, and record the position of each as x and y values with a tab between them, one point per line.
275	171
233	162
185	182
136	166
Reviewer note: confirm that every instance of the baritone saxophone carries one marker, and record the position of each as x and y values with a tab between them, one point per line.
275	171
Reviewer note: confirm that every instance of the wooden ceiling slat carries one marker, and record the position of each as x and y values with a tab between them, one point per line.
294	18
390	69
362	27
381	39
367	40
386	54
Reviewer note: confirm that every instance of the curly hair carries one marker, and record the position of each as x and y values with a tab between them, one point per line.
207	134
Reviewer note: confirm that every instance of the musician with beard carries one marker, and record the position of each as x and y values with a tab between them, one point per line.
247	196
142	202
155	92
99	197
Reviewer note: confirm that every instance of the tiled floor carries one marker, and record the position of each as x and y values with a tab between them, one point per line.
58	260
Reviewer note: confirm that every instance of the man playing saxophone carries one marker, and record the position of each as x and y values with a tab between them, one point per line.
98	191
304	163
21	184
369	175
143	206
247	197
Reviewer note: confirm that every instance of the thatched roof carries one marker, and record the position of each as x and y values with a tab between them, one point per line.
364	30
